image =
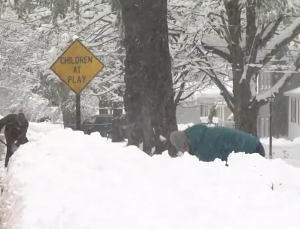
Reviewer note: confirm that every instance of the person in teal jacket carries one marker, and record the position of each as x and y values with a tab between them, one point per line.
209	143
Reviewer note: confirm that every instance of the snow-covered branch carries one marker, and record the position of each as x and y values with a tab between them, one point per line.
180	76
191	93
97	44
276	44
180	92
217	45
99	18
281	82
214	78
268	31
251	28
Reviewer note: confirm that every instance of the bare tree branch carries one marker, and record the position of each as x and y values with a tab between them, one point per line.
181	90
217	51
189	95
224	92
181	75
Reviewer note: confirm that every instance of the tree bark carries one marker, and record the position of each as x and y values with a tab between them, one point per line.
245	110
169	125
246	119
133	70
148	76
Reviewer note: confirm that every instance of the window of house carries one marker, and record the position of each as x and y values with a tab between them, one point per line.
258	124
261	82
221	116
206	111
201	110
267	77
265	80
298	111
268	80
266	127
293	110
262	127
219	112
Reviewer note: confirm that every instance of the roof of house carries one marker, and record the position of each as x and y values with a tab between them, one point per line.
210	92
294	92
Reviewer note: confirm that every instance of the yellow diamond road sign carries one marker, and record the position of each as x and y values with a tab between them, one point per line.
77	66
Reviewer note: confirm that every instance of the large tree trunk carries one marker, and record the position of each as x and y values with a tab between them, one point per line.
148	76
245	110
169	125
246	119
134	73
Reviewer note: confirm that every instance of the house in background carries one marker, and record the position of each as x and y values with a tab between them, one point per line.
294	113
281	105
200	105
187	114
284	124
284	105
265	82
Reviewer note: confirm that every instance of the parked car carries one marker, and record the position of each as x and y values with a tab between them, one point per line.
44	119
97	123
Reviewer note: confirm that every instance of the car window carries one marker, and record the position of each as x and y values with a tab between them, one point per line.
102	120
91	120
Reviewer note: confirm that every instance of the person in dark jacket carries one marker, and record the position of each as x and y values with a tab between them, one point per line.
16	126
209	143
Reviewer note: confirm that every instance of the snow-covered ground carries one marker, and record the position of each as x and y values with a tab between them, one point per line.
66	180
288	150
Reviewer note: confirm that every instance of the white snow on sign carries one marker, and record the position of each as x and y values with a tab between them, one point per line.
67	180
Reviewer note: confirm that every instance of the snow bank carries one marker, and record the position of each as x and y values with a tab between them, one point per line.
282	142
67	180
184	126
286	149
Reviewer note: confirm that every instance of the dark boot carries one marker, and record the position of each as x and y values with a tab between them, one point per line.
260	149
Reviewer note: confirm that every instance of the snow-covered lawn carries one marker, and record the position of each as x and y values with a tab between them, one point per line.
66	180
289	151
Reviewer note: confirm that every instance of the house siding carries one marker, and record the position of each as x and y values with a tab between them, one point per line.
294	117
201	108
186	115
266	81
